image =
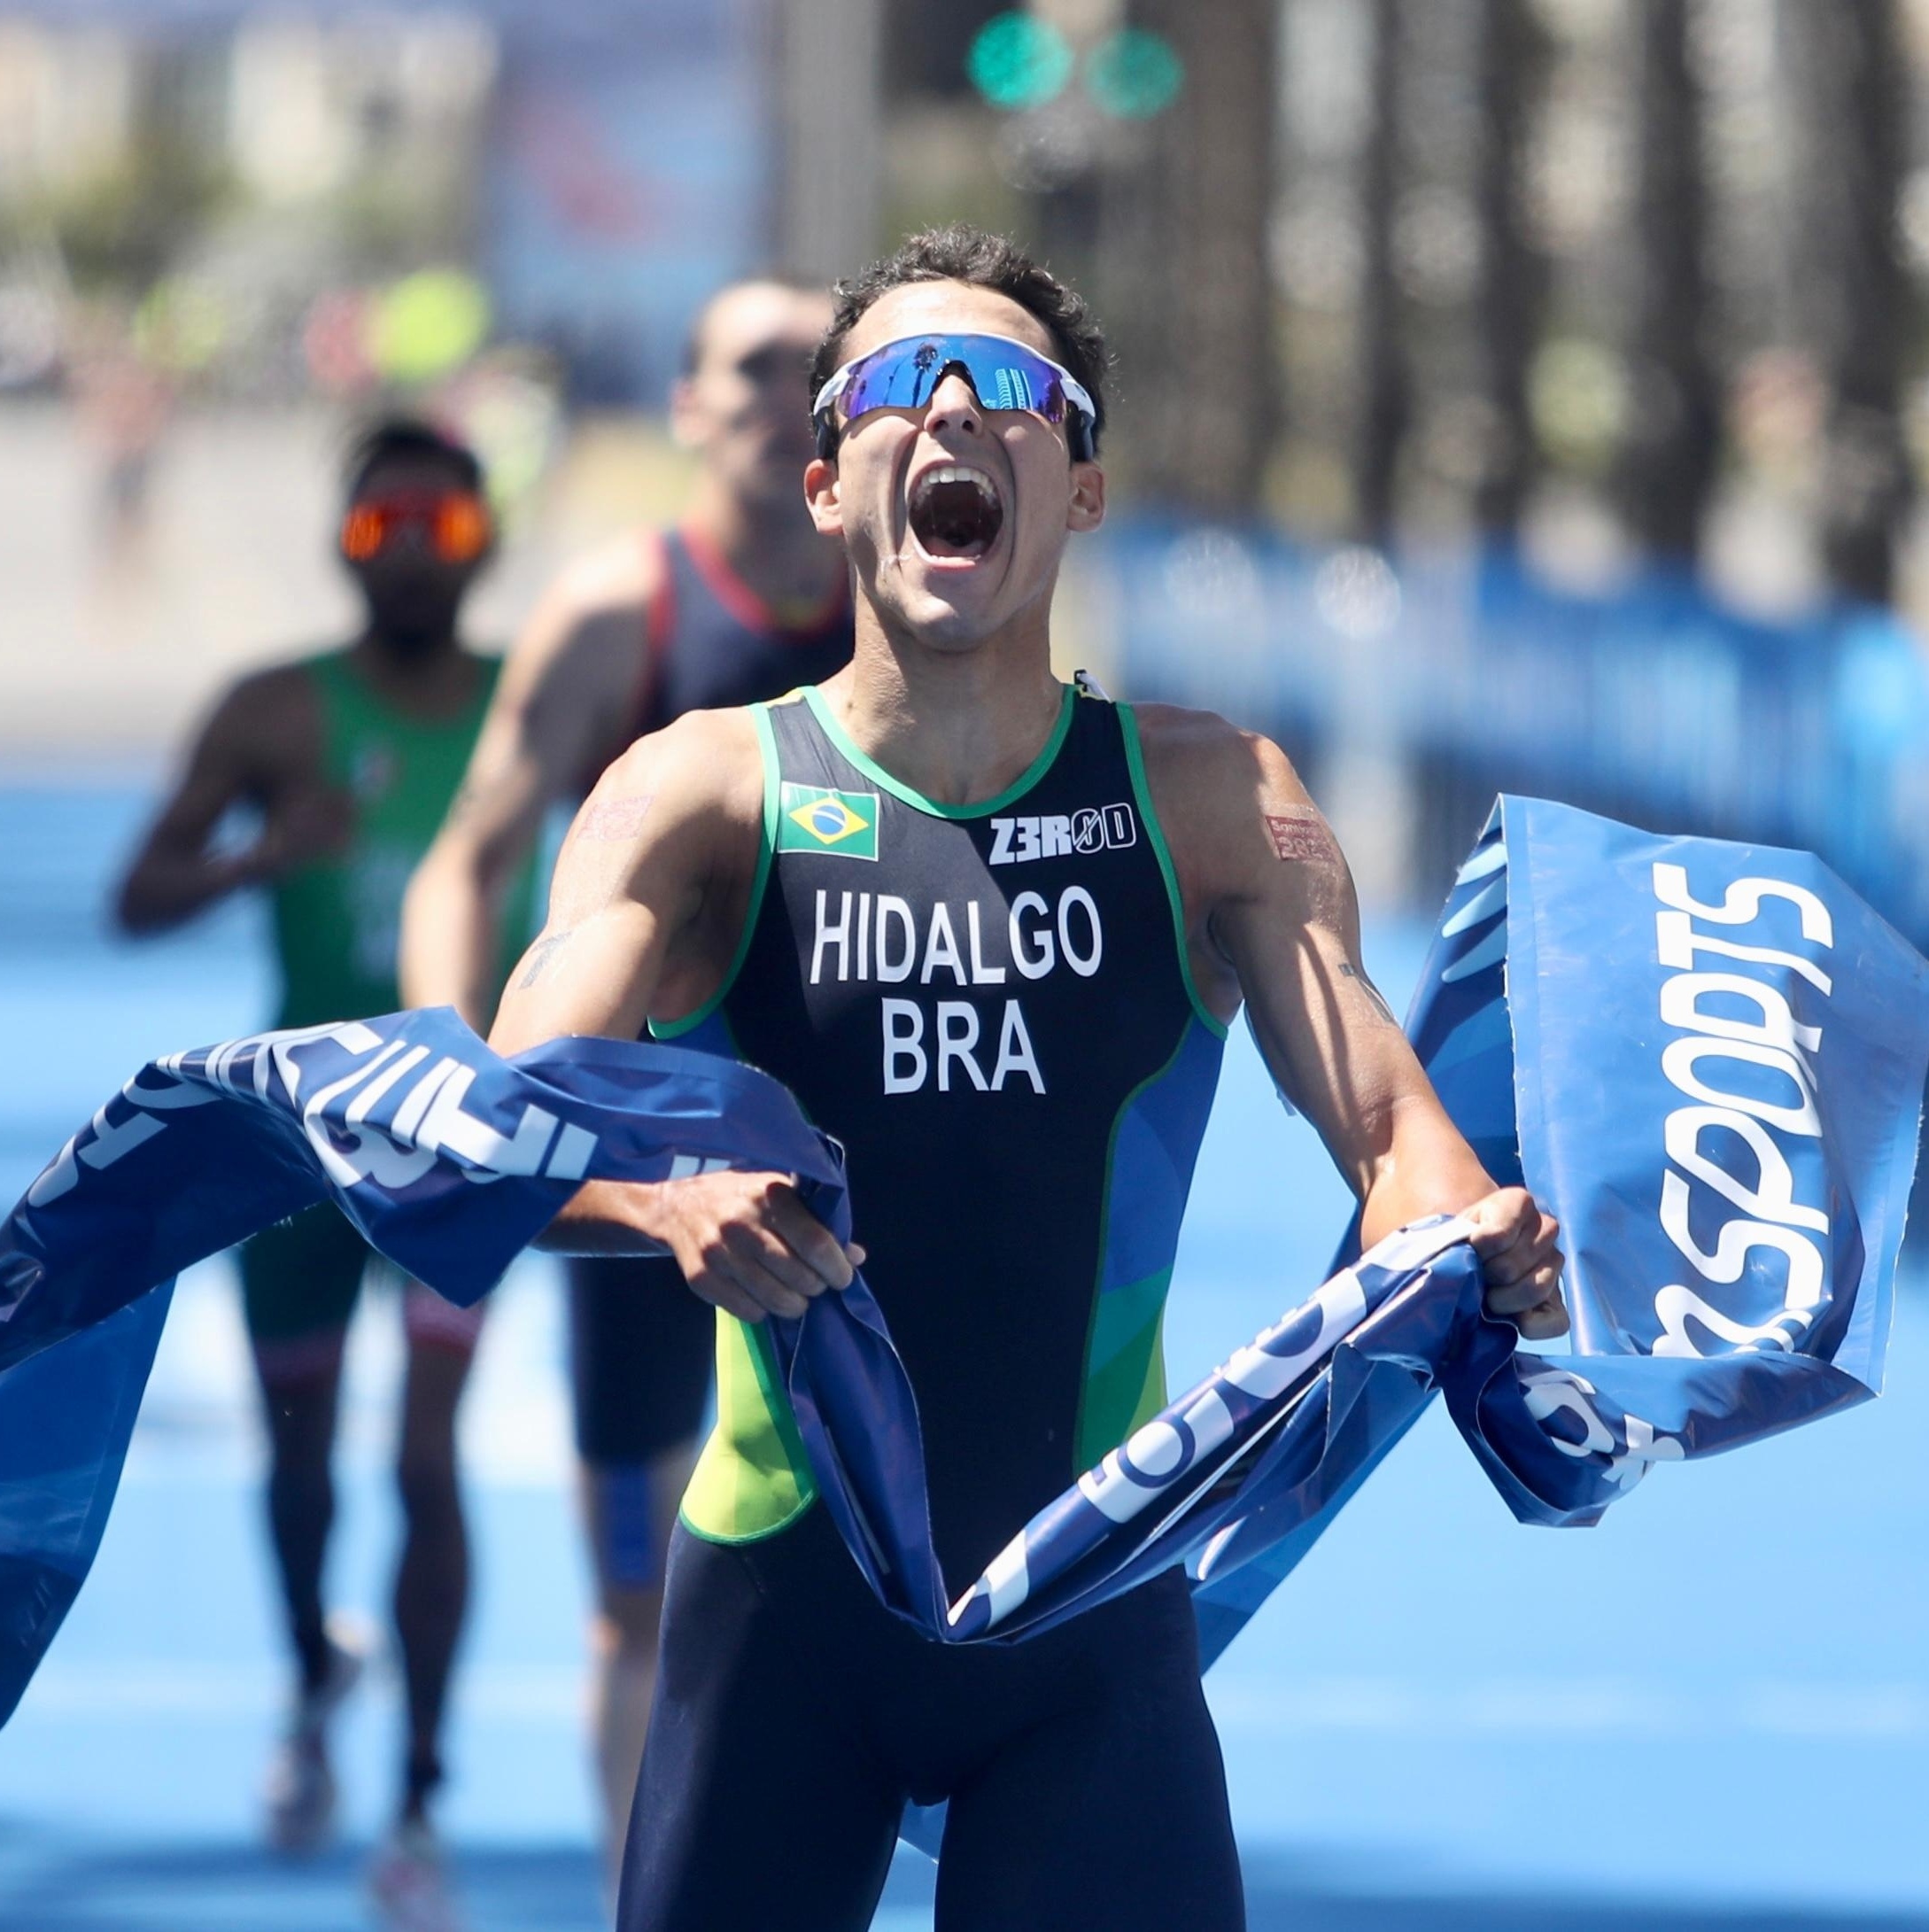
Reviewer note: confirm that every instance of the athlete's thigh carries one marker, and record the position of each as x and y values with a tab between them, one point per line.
757	1806
435	1327
1111	1811
299	1279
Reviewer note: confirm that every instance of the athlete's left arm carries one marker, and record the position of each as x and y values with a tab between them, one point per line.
1272	917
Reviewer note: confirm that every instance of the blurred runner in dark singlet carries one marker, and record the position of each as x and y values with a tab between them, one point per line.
351	757
742	601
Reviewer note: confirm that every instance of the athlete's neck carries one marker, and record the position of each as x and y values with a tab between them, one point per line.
957	726
769	547
431	679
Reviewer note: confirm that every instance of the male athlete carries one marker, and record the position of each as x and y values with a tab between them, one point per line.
350	758
742	601
990	930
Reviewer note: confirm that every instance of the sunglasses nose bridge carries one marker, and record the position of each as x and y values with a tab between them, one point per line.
954	400
412	541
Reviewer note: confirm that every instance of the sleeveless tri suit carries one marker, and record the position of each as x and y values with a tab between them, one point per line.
989	1006
335	921
711	643
639	1342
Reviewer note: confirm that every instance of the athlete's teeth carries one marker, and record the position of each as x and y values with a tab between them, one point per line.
957	473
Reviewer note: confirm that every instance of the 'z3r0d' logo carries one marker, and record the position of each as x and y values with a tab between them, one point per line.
1092	828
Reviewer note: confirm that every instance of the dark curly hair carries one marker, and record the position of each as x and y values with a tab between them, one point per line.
960	252
407	438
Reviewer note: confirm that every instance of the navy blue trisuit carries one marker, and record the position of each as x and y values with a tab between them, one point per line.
990	1005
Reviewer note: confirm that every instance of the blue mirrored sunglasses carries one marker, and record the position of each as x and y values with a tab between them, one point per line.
1003	375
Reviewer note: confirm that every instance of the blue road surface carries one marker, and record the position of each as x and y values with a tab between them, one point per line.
1711	1712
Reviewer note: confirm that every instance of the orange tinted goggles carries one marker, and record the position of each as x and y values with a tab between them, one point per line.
457	525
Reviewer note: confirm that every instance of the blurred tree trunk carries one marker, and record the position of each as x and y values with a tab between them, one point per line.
1189	282
1384	401
1674	417
1855	77
1513	282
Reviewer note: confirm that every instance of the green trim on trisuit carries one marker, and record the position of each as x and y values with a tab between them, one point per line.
1135	764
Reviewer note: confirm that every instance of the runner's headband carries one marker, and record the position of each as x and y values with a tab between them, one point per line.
1003	375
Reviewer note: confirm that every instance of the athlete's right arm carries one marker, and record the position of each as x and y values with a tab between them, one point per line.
261	747
650	895
564	695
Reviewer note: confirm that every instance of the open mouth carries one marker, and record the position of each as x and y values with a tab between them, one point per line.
954	511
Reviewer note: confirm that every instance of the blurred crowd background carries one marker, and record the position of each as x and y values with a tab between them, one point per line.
1511	392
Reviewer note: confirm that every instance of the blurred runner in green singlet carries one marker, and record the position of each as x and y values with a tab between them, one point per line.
351	757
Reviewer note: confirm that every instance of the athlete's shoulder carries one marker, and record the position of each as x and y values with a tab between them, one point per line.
264	730
574	668
705	732
278	699
288	679
1218	789
704	765
1206	756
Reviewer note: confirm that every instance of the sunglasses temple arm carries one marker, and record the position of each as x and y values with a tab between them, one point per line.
831	389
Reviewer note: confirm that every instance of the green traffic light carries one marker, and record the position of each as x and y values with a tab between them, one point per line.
1018	61
1135	74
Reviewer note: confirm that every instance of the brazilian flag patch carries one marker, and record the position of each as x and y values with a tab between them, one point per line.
811	820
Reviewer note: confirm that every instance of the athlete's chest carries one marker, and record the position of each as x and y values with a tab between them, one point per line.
1022	952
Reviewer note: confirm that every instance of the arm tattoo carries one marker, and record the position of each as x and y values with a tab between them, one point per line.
605	821
1371	992
541	953
1301	834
